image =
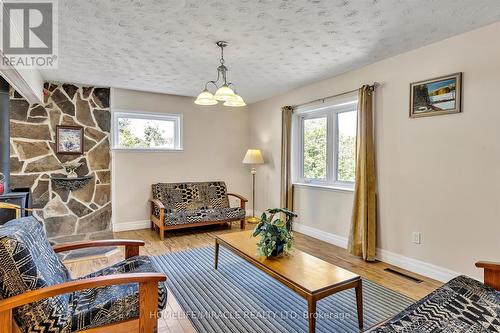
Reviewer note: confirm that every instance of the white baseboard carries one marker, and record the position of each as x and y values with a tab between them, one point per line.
131	225
413	265
421	267
321	235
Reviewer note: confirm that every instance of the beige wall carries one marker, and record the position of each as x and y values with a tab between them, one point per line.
437	175
215	140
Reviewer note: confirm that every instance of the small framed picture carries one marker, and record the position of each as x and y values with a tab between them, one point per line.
441	95
69	140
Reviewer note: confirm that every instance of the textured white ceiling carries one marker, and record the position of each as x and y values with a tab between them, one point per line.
168	45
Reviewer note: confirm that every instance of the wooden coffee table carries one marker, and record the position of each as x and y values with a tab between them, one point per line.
310	277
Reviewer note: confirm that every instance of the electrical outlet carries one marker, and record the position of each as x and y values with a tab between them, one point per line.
416	237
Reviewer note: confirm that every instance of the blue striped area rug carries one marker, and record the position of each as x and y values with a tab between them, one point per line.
237	297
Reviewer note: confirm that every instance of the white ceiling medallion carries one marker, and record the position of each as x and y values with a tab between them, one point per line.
223	91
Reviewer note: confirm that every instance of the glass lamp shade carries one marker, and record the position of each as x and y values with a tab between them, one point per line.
253	156
224	93
205	98
235	101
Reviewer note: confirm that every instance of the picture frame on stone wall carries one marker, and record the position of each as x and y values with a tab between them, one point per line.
69	140
437	96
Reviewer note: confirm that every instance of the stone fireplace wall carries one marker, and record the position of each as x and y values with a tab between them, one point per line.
67	215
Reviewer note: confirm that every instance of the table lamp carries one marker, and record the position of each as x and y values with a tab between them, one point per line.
253	157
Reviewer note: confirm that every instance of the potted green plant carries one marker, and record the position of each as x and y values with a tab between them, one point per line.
276	234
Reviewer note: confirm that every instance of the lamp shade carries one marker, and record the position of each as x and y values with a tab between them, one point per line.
236	101
253	156
224	93
205	98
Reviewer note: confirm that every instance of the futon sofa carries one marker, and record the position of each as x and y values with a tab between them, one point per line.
185	205
37	293
463	305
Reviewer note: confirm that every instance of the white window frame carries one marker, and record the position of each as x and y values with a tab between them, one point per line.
330	110
176	118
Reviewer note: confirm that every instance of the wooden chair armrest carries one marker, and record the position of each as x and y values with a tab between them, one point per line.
71	286
242	198
489	265
491	273
96	243
243	202
157	203
131	246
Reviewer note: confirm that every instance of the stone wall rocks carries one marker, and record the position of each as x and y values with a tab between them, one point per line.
29	131
63	102
98	159
22	180
38	111
15	165
103	119
27	150
67	215
47	163
83	114
19	110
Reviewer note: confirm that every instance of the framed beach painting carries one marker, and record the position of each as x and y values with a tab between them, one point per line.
441	95
69	140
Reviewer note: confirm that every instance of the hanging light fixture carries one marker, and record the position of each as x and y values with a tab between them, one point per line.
223	90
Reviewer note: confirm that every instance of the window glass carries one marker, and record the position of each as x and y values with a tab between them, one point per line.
146	131
314	148
346	155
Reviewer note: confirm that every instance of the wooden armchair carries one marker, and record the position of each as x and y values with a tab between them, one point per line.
135	288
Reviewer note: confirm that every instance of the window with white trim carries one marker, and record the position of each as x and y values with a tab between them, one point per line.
324	143
146	131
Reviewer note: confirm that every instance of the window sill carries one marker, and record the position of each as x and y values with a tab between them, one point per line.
146	150
325	187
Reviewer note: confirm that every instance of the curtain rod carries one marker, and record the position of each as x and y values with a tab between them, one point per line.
372	86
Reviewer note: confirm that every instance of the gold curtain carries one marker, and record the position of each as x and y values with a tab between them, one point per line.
362	238
286	195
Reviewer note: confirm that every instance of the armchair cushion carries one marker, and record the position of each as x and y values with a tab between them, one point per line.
461	305
204	215
28	262
101	306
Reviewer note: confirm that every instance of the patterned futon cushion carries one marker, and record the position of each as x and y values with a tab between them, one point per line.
191	196
27	262
202	215
462	305
100	306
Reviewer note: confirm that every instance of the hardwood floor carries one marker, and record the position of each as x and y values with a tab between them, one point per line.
173	321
